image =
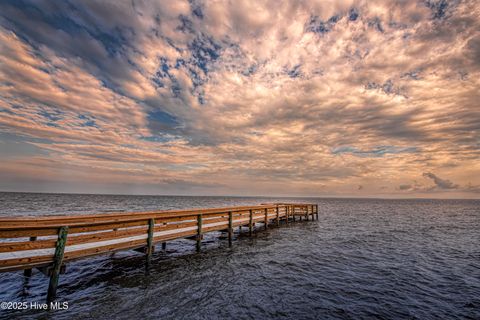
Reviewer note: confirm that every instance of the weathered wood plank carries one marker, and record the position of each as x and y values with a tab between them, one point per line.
74	220
26	245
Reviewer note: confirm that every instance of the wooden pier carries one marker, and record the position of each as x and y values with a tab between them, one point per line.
48	242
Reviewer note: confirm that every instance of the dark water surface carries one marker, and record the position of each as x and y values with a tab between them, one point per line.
363	259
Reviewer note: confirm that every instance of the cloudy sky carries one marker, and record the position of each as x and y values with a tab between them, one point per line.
312	98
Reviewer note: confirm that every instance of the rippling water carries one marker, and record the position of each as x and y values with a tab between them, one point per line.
363	259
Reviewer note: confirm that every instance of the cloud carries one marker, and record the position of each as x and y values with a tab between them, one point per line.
441	183
377	151
305	96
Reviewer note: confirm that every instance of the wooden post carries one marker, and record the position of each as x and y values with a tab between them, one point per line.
250	223
57	263
306	212
164	244
151	226
313	215
230	228
278	217
266	218
199	232
288	213
28	272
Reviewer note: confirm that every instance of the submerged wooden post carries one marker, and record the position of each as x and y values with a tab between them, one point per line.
278	217
230	228
28	272
199	232
250	223
57	263
316	210
151	226
164	245
266	218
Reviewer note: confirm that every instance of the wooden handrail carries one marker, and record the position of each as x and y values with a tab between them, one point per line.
91	219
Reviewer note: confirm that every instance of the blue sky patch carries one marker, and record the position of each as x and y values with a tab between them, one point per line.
162	117
204	51
353	14
51	116
316	25
439	8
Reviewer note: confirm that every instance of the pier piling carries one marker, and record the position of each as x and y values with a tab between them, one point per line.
250	223
28	272
266	219
151	226
57	263
199	232
230	228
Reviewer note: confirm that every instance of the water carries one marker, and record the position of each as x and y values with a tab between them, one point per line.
363	259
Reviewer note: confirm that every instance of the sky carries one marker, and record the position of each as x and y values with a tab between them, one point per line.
284	98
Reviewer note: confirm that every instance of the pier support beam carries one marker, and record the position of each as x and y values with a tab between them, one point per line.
266	218
230	228
199	232
151	226
57	263
278	216
28	272
250	223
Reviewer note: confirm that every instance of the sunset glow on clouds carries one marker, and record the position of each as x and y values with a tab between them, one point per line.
313	98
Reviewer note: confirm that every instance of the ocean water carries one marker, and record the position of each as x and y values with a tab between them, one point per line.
363	259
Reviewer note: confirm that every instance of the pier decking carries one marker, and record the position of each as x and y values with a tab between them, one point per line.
48	242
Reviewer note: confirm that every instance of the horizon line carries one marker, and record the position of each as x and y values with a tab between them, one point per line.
239	196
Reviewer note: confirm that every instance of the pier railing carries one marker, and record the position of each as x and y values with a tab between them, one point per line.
47	242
